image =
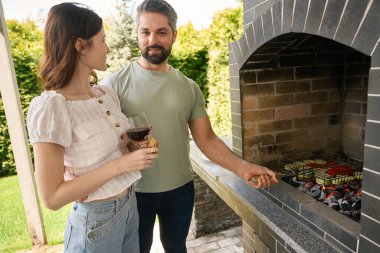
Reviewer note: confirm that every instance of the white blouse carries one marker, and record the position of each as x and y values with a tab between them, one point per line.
89	130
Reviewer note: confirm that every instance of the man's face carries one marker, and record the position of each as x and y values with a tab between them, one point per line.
155	37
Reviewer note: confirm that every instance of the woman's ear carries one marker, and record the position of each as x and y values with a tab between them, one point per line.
80	46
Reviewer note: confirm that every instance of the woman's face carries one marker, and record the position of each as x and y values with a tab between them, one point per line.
96	54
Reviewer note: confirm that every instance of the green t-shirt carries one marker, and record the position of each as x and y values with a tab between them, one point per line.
170	100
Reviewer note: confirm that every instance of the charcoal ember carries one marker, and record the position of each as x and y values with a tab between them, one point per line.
334	205
315	191
357	205
355	185
323	194
296	182
355	215
340	192
358	193
307	186
331	201
345	207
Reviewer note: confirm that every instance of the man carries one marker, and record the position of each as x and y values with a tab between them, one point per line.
173	103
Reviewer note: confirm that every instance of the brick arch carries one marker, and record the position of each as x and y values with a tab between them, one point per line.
351	23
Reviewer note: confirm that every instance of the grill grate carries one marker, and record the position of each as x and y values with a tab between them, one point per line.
326	168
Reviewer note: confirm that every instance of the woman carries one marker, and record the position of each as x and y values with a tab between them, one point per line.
76	129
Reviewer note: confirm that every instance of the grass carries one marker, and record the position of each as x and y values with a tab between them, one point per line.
14	234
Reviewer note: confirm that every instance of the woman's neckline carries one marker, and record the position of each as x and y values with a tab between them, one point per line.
67	99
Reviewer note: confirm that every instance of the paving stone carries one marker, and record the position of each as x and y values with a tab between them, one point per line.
190	236
191	250
228	249
238	248
194	243
208	247
233	232
227	241
213	237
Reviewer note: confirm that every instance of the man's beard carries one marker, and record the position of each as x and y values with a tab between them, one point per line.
156	59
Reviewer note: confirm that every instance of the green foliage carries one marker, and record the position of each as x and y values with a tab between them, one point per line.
190	56
14	234
26	47
121	37
226	27
193	65
13	228
189	39
6	156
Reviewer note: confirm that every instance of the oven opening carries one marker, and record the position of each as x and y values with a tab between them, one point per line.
304	109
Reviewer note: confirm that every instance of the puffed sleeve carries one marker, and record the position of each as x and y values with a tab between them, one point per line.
48	120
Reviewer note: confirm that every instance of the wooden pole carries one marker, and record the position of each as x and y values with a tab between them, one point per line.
19	140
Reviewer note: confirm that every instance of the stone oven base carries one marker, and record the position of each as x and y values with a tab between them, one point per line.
210	214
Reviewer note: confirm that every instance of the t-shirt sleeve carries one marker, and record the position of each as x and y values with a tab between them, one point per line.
116	80
108	81
199	108
48	120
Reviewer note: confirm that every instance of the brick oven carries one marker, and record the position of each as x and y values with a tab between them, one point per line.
305	75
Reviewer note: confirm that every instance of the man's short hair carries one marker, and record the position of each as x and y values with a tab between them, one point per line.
158	6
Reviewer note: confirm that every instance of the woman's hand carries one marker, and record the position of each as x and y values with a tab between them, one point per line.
139	159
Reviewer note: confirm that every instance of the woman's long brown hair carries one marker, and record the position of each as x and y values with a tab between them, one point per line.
66	23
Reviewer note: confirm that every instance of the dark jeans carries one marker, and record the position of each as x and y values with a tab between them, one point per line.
174	210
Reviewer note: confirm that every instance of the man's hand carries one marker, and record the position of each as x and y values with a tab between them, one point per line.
258	176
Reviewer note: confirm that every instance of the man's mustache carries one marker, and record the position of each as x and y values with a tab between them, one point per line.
155	46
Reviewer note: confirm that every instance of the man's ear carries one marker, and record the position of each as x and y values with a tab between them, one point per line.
80	46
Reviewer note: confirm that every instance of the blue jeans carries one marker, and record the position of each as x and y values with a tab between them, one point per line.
174	210
106	226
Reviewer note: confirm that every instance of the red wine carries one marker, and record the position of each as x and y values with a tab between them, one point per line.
138	134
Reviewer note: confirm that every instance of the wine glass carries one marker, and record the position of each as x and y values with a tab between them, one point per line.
139	126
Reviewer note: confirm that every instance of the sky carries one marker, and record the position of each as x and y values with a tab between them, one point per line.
199	12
